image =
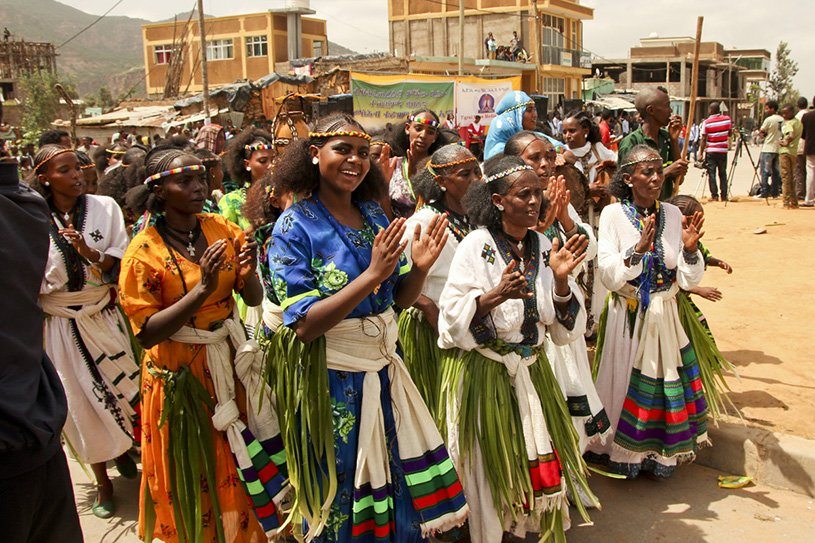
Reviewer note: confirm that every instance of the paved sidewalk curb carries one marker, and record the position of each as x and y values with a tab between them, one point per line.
779	460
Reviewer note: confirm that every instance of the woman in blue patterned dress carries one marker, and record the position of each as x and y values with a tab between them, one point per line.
338	267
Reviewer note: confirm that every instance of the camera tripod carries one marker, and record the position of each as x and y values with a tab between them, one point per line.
740	147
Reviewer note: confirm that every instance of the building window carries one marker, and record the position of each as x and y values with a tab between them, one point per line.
553	41
555	89
257	46
163	53
219	49
317	48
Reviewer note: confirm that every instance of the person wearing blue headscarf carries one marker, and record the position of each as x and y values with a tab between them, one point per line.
516	112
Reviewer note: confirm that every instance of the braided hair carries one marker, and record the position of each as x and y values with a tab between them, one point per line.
158	160
593	136
40	166
618	187
295	173
478	200
235	153
425	184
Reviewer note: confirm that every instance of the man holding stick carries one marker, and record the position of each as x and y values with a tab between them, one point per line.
654	106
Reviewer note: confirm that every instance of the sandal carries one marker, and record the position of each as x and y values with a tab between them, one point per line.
103	509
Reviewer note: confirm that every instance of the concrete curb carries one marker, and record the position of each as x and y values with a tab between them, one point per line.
779	460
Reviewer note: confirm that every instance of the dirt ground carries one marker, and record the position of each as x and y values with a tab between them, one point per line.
764	322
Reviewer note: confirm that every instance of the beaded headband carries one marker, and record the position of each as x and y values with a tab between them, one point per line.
60	152
167	173
258	147
382	143
508	171
115	151
430	122
519	106
338	134
433	167
635	162
87	166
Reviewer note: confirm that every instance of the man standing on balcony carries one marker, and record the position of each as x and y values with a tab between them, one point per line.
654	107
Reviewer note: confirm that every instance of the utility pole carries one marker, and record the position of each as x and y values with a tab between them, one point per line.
460	37
535	39
204	81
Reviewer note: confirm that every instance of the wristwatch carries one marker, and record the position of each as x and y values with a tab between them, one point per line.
633	257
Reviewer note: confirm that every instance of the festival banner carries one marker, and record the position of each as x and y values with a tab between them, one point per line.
481	97
379	100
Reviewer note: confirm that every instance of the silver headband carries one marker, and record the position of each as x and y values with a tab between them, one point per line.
508	171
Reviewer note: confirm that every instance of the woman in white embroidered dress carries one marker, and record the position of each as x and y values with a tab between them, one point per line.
648	375
86	335
499	395
441	187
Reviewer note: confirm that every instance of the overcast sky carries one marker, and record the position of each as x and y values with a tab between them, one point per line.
617	25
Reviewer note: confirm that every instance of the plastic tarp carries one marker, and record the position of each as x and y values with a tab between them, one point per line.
237	95
274	77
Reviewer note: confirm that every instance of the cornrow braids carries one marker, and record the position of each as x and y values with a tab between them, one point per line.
46	153
236	152
295	173
639	153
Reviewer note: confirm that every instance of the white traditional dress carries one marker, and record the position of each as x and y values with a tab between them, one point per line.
648	375
498	365
422	355
589	156
87	337
571	362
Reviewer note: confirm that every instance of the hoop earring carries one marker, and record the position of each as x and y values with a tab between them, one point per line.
315	160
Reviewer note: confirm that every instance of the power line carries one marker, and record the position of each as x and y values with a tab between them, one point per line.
69	40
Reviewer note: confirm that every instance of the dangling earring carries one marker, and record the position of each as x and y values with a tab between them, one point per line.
248	169
443	188
500	207
315	160
47	184
630	184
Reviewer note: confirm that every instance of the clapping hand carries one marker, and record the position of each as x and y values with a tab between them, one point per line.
563	260
210	264
247	255
387	249
692	231
552	195
725	266
647	235
386	163
427	247
513	284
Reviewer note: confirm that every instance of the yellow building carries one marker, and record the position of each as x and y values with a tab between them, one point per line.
427	32
238	47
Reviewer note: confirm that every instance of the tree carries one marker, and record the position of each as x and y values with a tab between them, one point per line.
781	86
106	100
40	103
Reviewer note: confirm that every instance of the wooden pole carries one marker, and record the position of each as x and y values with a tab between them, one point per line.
71	107
204	80
460	37
535	41
694	95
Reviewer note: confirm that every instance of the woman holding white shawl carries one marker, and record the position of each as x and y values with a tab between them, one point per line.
202	463
440	188
366	461
86	336
499	394
647	371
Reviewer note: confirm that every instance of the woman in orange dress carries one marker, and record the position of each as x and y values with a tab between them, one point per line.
178	276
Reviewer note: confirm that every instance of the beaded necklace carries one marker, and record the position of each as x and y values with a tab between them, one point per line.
655	276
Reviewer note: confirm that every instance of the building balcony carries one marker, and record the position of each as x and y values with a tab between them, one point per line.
571	58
